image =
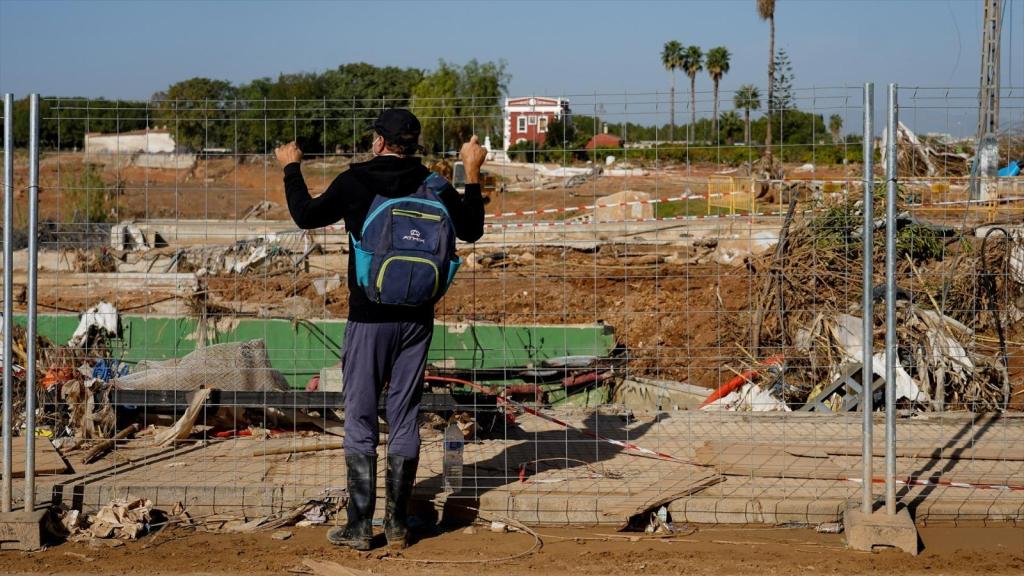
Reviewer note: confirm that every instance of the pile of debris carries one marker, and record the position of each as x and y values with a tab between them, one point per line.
949	297
915	157
19	348
268	254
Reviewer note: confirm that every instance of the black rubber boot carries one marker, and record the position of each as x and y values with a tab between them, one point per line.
362	496
401	474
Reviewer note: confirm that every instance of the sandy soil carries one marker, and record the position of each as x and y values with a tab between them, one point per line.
570	551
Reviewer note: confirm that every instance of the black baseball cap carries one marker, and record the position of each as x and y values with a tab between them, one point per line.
398	126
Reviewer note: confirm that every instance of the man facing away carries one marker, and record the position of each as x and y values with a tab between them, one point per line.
384	344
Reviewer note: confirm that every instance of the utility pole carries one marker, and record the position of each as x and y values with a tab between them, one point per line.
988	113
987	149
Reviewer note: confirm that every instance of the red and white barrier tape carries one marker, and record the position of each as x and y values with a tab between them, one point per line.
915	481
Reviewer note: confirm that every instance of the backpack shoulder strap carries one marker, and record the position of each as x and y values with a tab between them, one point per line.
435	183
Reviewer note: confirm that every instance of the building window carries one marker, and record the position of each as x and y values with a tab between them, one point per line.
521	124
533	120
542	124
520	140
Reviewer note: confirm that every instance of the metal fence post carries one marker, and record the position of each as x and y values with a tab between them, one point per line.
33	253
867	371
890	304
8	379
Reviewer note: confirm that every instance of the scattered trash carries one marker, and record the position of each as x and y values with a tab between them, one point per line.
281	535
123	518
660	523
470	530
327	284
101	319
829	528
260	210
749	398
268	253
1011	169
454	443
804	308
183	427
499	527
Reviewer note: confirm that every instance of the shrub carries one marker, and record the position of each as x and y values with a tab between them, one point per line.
88	198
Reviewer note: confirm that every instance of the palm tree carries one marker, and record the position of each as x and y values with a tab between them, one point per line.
717	63
693	62
835	126
766	10
747	98
672	59
730	124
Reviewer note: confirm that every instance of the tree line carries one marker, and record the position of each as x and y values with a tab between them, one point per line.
327	111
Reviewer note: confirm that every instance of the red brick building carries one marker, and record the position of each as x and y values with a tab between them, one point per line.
527	118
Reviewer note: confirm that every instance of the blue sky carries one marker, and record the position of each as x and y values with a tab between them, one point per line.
133	49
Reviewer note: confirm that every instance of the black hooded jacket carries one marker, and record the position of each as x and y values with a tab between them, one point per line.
349	197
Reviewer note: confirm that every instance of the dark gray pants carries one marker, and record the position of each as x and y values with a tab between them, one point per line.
392	353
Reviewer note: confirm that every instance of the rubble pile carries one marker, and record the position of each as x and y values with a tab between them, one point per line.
915	157
955	301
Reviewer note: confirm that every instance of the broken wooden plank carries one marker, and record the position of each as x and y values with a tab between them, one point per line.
106	445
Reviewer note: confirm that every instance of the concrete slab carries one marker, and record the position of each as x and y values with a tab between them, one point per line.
867	531
23	530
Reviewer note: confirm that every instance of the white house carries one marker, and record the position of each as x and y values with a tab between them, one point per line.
129	143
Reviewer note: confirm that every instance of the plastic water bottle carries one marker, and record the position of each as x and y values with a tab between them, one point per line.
454	443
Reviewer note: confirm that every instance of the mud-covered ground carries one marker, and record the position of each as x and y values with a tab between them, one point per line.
566	551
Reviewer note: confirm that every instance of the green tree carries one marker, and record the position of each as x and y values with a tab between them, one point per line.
357	92
252	101
63	122
730	127
562	137
197	111
296	111
455	102
718	65
672	60
766	10
782	97
693	62
782	93
747	98
835	127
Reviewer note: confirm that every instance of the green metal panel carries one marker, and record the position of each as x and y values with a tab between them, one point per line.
300	349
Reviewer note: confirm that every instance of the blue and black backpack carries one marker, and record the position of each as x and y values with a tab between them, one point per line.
406	252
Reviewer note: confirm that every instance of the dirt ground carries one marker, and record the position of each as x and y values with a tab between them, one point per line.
566	551
225	188
677	320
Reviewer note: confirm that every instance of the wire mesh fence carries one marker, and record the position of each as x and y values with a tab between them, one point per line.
637	285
